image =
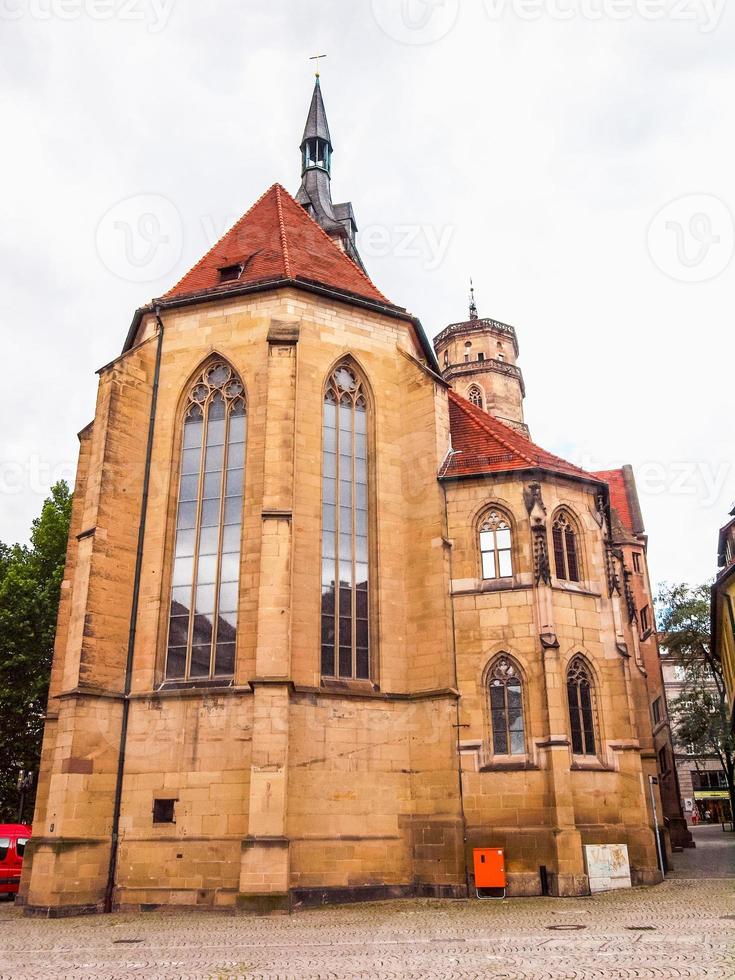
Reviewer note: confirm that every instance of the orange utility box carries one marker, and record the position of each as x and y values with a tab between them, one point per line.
489	871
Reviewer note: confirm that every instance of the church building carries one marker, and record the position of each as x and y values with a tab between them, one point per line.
330	618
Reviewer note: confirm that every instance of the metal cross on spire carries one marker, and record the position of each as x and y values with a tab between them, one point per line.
317	58
473	304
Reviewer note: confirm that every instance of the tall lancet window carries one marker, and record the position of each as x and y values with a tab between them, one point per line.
203	619
566	554
506	708
581	697
345	630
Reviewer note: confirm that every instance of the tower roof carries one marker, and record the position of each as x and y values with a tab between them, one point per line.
316	121
483	444
276	240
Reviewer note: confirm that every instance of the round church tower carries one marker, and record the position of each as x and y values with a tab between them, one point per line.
478	358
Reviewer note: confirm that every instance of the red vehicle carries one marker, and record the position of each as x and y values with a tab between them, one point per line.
13	840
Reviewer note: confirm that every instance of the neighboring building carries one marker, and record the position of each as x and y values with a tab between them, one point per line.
723	609
702	783
328	622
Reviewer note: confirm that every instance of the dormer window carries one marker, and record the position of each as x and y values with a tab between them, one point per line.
231	273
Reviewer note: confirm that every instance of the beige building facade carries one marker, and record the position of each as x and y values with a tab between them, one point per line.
328	622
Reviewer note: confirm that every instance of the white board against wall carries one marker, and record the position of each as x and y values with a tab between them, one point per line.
608	866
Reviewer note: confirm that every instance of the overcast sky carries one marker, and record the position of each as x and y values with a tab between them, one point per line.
574	156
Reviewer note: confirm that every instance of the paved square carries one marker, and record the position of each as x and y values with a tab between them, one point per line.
684	928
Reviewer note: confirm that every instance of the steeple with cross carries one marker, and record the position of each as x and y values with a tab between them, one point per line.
315	193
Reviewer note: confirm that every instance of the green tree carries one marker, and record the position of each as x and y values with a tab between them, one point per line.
700	713
30	583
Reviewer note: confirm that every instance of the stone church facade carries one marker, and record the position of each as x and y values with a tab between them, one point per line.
330	619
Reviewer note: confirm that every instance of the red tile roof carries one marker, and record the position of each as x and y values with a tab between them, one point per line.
619	500
276	239
483	444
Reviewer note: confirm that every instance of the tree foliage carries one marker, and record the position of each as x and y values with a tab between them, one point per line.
700	712
30	583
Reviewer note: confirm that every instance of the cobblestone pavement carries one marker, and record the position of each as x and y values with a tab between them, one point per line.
683	928
713	857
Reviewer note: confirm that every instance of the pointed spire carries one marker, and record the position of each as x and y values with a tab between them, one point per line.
316	122
315	193
473	304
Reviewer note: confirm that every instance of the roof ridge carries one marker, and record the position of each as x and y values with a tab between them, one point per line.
481	423
490	424
222	238
282	227
357	268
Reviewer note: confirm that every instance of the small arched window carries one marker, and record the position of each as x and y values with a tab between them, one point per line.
580	694
566	552
206	569
474	395
496	546
468	350
506	708
345	647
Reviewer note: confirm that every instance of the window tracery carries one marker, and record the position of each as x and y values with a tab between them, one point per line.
202	631
496	546
345	640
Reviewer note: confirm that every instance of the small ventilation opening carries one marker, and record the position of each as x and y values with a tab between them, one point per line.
231	273
163	811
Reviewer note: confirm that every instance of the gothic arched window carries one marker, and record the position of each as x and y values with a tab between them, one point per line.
345	538
506	708
206	570
566	553
496	552
474	395
580	694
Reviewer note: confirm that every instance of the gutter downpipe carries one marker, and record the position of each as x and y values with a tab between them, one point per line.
458	698
114	839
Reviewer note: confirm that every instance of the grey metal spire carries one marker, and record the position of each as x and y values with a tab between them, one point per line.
315	193
316	122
